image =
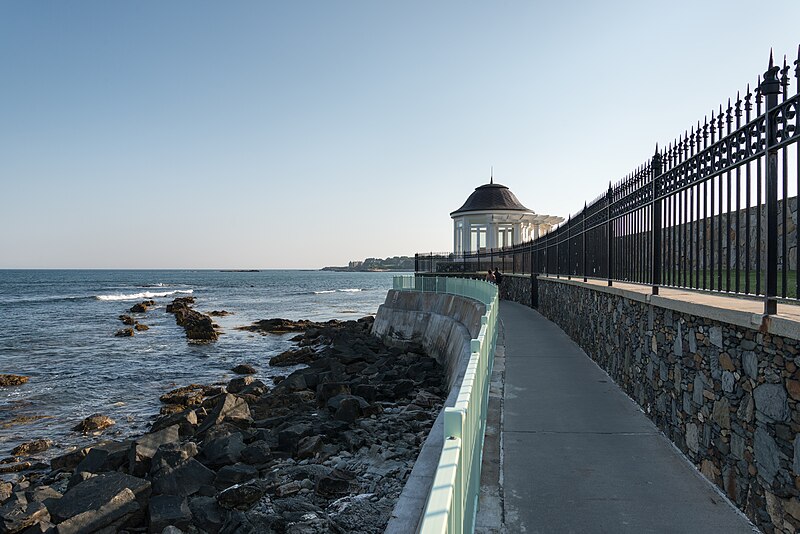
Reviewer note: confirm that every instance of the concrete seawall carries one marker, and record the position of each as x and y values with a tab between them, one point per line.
444	325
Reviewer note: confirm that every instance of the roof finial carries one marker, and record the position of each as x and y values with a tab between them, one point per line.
491	174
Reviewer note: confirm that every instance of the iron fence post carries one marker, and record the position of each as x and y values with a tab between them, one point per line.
569	247
610	236
655	223
771	88
583	242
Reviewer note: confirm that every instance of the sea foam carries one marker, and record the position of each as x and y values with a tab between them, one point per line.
143	295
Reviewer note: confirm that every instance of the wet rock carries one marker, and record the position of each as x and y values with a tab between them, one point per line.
94	423
290	357
198	326
127	320
283	326
125	332
219	313
18	514
191	395
238	384
331	389
5	490
166	510
140	307
331	487
186	421
101	493
244	369
235	474
43	494
309	447
185	479
31	447
229	408
141	327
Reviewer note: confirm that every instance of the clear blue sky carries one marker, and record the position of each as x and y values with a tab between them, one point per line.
303	134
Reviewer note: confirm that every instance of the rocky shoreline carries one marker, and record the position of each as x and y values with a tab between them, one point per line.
325	449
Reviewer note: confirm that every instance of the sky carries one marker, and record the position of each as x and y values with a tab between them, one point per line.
255	134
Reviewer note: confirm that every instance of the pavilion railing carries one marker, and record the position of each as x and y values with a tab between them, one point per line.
453	500
716	210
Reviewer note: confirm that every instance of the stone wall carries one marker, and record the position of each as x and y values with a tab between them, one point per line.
726	394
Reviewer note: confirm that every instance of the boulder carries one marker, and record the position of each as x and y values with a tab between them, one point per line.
141	307
43	494
31	447
125	332
229	408
191	395
331	487
171	455
257	453
12	380
127	320
238	384
141	327
244	369
219	313
109	514
106	456
17	514
101	492
309	446
184	479
303	355
186	421
207	514
94	423
221	451
331	389
198	326
234	474
166	510
144	448
6	488
289	437
240	496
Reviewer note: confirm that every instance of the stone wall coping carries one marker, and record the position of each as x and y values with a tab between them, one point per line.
740	311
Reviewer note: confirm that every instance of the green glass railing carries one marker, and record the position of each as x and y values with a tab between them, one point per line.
453	499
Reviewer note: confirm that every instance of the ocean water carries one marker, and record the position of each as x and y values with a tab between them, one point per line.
57	328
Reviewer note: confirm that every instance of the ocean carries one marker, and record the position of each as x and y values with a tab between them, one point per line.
57	327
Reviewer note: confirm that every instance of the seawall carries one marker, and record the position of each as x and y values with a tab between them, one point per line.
444	325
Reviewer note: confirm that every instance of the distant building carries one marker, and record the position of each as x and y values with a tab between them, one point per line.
492	217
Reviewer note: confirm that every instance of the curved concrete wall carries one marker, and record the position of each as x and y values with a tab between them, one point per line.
444	325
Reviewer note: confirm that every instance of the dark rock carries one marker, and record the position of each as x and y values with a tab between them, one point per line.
42	527
127	320
109	514
69	460
191	395
166	510
240	496
293	357
198	326
18	514
289	438
332	487
229	408
257	453
94	423
244	369
402	388
106	456
238	384
186	421
31	447
141	307
5	490
42	494
171	455
141	327
219	313
185	479
207	514
282	326
308	447
98	492
125	332
224	450
331	389
294	382
234	474
144	448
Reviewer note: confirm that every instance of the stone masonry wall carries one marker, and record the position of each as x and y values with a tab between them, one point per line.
727	396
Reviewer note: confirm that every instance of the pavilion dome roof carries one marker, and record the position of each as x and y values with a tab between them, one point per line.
490	197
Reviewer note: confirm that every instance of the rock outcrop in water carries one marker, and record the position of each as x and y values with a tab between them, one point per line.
326	450
198	326
12	380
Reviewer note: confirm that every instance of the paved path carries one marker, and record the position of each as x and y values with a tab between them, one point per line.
579	455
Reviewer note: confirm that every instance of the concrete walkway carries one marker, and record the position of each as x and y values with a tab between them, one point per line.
579	455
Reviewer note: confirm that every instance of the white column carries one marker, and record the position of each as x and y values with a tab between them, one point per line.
455	236
516	239
491	235
466	235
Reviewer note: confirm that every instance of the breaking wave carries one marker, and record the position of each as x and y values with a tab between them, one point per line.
143	295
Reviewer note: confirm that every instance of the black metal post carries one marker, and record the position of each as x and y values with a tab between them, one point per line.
610	235
583	243
655	224
771	88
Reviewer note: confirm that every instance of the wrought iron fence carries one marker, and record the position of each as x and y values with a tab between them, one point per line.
715	210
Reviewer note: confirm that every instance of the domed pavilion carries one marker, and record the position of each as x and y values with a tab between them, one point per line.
493	217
